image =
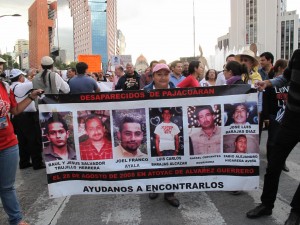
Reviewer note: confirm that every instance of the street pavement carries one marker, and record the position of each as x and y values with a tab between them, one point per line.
197	208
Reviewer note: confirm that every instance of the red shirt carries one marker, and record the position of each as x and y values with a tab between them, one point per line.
89	152
7	135
189	81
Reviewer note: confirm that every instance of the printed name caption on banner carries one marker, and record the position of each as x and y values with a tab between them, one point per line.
125	161
74	165
161	161
155	188
241	129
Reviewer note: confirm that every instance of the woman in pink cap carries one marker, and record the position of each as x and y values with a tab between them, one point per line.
161	80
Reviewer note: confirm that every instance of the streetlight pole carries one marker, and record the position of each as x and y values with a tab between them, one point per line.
194	25
10	15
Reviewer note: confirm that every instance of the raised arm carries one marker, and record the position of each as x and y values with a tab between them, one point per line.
23	104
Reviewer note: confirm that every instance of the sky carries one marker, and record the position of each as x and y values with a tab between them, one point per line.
158	29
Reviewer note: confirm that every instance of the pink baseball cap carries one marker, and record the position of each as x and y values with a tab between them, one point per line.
160	66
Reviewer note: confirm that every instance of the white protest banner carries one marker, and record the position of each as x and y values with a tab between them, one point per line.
124	59
115	60
172	140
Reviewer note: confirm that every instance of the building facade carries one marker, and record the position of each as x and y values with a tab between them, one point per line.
40	22
254	21
21	50
265	23
111	28
94	28
289	34
63	45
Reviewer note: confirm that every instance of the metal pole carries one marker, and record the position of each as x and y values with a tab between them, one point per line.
194	26
10	15
57	32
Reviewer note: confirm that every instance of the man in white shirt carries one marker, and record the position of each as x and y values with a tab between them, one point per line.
167	144
166	135
26	124
221	78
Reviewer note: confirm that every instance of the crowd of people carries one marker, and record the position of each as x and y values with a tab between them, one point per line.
280	113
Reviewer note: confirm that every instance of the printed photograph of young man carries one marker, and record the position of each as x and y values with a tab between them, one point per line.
166	131
95	144
129	133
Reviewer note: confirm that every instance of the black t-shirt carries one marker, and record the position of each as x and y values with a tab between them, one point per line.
274	99
131	83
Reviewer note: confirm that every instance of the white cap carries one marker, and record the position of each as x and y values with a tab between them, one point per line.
108	73
15	73
47	61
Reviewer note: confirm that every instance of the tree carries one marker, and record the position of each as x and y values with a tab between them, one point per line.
16	65
10	63
72	64
60	65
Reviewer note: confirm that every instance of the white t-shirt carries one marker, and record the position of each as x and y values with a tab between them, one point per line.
204	83
61	85
167	132
220	79
105	86
20	89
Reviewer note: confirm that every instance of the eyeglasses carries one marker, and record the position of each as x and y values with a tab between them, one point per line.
224	70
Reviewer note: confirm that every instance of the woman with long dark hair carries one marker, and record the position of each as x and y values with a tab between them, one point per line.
233	72
209	79
192	80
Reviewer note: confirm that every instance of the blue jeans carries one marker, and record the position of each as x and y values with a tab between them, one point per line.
9	158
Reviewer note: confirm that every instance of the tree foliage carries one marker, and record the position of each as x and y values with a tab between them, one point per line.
10	62
72	64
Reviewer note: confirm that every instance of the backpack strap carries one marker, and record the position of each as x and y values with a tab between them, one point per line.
49	74
14	88
52	83
29	91
6	86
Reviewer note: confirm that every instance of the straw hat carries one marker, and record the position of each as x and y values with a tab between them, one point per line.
2	61
249	54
